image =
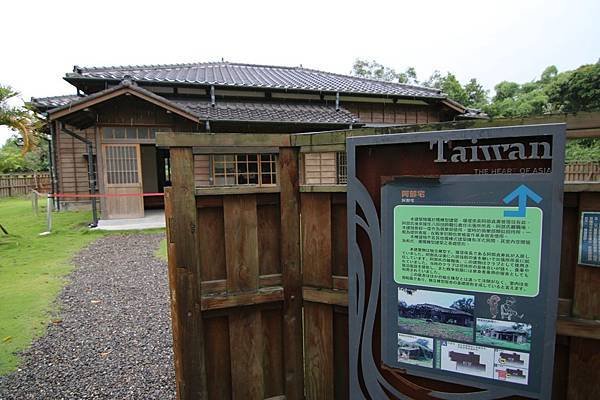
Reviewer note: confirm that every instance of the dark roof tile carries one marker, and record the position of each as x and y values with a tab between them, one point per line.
257	76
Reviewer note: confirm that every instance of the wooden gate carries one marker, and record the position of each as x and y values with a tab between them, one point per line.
234	265
258	281
123	175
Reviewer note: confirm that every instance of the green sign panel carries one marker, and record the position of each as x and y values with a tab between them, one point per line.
474	248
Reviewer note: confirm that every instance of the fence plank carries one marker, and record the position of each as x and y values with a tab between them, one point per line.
185	288
316	239
246	348
318	348
218	358
245	325
291	271
241	242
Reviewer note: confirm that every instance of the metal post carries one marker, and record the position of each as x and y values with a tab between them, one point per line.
49	213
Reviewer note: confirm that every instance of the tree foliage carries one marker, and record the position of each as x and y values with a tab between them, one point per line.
552	92
375	70
12	158
465	304
19	119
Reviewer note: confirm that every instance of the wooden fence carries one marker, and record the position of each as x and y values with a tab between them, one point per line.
258	280
20	184
582	172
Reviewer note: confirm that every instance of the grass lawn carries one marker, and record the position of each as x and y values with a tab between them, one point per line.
486	340
421	362
161	252
435	329
33	270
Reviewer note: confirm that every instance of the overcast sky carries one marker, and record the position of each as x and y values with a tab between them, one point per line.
489	40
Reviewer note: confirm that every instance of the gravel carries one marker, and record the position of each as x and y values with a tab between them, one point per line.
111	338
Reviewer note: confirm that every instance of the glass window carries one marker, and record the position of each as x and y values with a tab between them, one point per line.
244	169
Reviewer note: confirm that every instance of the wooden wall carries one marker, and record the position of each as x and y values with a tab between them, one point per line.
201	170
389	113
72	165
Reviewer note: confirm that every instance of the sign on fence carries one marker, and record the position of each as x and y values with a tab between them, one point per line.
589	239
469	263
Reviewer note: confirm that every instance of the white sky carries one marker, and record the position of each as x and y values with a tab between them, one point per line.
489	40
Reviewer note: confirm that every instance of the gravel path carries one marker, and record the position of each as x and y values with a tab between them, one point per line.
114	341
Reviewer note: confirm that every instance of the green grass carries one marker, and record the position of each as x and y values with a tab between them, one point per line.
161	252
435	329
425	362
34	269
488	341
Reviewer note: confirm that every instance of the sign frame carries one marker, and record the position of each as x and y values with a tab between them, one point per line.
370	378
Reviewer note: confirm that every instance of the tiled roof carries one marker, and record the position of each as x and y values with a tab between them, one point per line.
254	76
304	113
268	112
54	101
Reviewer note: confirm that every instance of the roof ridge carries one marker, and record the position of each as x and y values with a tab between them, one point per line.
55	97
79	69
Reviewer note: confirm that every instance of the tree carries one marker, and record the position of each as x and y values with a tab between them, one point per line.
465	304
577	90
19	119
12	158
477	96
375	70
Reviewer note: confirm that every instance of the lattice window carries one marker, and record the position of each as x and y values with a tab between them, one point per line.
320	169
268	169
132	132
244	169
342	168
122	165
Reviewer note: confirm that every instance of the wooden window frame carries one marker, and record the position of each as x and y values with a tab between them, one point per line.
236	174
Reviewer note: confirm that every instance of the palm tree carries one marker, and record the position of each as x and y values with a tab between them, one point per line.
18	118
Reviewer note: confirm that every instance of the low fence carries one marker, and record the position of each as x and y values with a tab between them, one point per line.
22	183
582	172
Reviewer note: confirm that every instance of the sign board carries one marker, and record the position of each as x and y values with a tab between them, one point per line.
589	239
469	265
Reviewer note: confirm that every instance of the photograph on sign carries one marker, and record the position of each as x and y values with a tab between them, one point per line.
467	359
510	335
513	359
416	350
589	239
437	314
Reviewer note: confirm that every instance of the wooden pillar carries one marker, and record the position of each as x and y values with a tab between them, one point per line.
184	278
292	276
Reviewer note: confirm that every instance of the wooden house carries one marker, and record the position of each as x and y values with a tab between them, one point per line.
103	137
413	351
509	334
470	360
437	313
513	358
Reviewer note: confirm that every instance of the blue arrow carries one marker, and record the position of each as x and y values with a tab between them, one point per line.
522	192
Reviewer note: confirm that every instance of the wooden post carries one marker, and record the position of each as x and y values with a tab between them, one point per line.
292	276
184	278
